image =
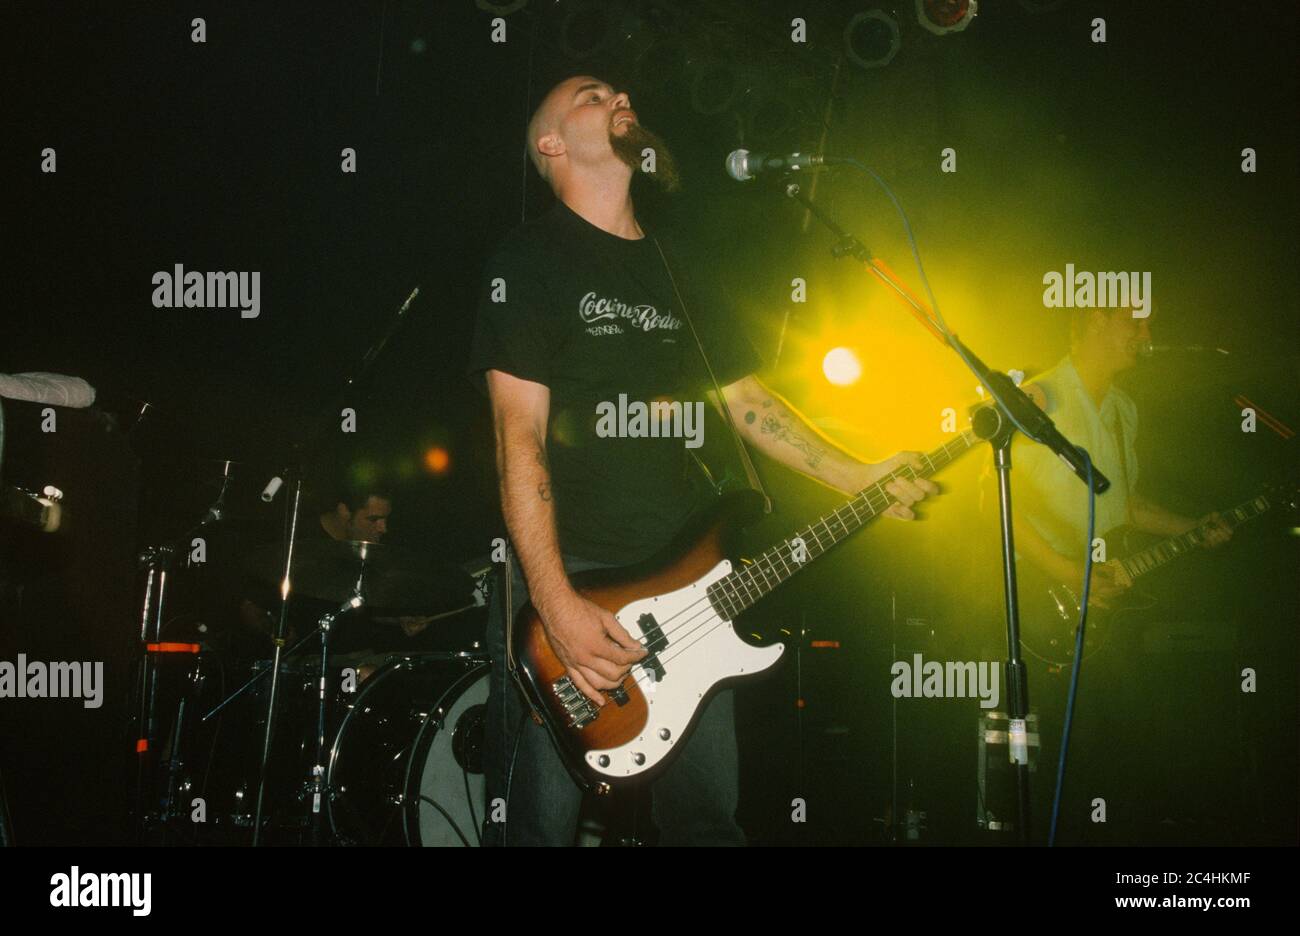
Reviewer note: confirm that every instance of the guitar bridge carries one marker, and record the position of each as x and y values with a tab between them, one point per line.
580	710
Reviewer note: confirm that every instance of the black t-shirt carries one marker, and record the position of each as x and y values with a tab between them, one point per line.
594	317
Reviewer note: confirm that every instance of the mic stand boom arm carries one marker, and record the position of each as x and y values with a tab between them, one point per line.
1012	409
1025	414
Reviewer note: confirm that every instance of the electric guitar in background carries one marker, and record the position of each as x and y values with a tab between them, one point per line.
681	605
1050	609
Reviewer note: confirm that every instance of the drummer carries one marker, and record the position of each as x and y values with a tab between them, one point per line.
358	514
355	512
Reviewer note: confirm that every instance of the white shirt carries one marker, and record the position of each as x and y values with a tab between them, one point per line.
1047	493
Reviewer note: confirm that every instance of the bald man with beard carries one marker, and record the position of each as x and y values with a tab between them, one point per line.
579	307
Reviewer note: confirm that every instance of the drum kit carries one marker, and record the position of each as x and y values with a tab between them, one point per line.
367	748
402	767
311	746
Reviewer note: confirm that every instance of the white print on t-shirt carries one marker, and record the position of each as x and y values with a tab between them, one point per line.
645	317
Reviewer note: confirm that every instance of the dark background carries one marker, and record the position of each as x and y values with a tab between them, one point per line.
225	155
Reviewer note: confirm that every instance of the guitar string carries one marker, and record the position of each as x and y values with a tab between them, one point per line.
717	620
708	615
876	510
876	498
1158	555
880	494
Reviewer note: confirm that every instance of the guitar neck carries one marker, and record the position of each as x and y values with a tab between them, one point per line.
1152	558
744	587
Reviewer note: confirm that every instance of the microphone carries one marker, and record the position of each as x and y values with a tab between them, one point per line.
1146	349
743	166
272	488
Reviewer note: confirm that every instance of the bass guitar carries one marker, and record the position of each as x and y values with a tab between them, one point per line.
681	605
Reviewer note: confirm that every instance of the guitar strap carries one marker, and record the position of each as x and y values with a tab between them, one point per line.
751	474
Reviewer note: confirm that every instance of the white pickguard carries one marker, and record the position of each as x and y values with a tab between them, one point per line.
702	651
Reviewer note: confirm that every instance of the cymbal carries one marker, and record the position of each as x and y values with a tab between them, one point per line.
391	580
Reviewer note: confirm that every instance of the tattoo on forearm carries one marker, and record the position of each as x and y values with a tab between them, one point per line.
750	416
544	488
774	427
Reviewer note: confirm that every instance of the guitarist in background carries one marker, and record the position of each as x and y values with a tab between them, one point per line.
1051	525
1051	504
589	313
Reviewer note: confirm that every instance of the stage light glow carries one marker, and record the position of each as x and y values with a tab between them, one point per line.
437	460
842	367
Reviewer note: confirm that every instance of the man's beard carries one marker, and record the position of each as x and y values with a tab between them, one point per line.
629	148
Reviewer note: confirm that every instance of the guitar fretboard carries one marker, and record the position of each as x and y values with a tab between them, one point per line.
1148	560
744	587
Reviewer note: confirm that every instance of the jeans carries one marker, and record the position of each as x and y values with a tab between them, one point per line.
694	800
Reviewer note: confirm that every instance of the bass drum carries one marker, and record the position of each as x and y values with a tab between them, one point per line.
406	767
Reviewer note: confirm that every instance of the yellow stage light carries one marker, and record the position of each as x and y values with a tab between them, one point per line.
841	367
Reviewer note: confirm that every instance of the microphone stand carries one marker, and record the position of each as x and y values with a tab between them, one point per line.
310	439
996	424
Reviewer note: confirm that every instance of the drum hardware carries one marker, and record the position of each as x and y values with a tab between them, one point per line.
158	562
392	580
312	437
433	792
386	580
314	787
316	784
483	572
426	718
380	578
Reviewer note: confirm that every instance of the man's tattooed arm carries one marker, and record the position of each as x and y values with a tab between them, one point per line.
780	430
774	427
